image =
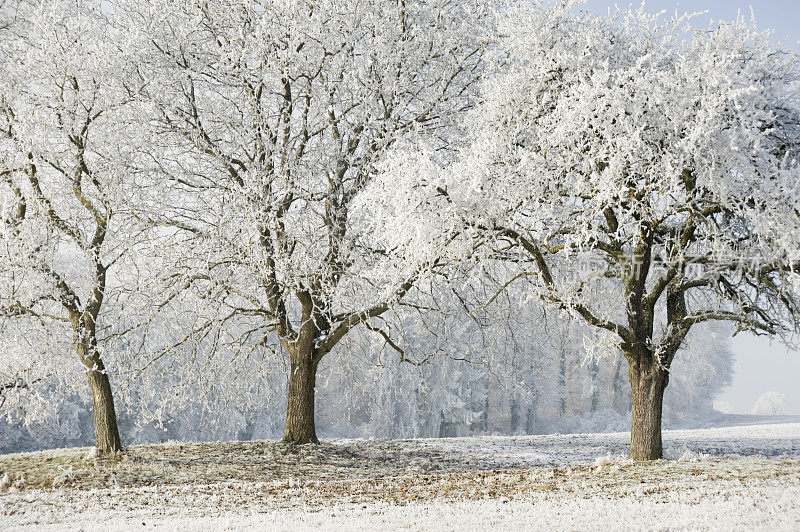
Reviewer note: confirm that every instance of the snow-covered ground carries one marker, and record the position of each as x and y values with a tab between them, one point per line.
767	440
738	477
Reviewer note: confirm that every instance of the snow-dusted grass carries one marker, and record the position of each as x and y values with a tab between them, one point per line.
745	477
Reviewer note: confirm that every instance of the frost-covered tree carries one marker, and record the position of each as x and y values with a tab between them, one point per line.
643	175
270	119
772	404
63	182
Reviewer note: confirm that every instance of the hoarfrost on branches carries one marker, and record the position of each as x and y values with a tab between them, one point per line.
270	121
641	173
64	173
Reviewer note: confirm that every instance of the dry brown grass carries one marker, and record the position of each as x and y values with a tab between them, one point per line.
358	472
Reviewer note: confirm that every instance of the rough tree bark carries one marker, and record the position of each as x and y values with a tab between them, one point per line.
304	358
107	438
648	381
300	426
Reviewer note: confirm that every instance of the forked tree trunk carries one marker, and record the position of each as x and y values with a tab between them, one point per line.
300	427
107	438
648	382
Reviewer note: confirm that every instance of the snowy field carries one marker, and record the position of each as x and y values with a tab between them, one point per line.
742	477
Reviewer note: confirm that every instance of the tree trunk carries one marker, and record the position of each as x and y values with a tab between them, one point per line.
620	399
594	372
106	431
562	383
647	393
107	438
300	426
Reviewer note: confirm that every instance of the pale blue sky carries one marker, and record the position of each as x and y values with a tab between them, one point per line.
761	366
783	16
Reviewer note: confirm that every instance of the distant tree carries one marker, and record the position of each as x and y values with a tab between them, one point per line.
642	175
772	404
701	371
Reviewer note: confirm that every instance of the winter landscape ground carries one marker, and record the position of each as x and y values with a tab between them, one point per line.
745	476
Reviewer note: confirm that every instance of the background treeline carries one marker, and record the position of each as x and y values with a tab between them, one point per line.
486	375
